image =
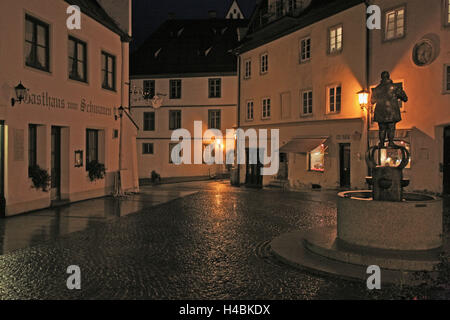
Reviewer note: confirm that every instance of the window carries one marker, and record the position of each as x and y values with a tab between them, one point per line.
266	108
447	78
334	99
37	48
248	69
180	154
175	89
249	110
108	71
215	88
335	39
316	159
91	146
149	121
264	63
32	147
147	148
214	119
307	97
395	24
149	89
305	49
174	119
447	13
77	60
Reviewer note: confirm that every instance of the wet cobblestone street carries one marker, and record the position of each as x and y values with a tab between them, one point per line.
209	245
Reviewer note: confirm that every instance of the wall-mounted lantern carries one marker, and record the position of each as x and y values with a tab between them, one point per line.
121	110
363	96
20	94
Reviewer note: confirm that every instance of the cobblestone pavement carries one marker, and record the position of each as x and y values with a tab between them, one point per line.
209	245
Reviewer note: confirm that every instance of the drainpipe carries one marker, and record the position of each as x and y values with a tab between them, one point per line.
239	114
369	106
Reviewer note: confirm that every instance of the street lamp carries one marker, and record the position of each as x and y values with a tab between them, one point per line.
20	94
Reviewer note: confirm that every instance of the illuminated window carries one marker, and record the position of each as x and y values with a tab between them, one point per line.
249	110
307	102
335	38
316	159
248	69
305	49
266	108
264	63
395	24
334	99
393	158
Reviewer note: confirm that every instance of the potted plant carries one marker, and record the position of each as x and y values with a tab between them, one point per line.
96	170
40	178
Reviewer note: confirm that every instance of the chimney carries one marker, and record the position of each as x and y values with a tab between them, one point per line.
171	15
212	14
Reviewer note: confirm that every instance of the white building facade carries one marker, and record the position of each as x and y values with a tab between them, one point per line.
70	119
188	67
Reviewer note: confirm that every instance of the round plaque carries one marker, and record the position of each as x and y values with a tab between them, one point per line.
424	53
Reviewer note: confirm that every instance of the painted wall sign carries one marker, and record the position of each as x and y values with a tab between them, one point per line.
46	100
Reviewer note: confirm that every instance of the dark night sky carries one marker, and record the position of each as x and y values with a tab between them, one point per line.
148	15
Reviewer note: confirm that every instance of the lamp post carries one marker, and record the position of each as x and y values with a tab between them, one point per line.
20	94
363	97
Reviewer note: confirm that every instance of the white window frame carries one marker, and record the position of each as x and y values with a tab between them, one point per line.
395	12
247	113
305	56
266	108
334	86
247	68
310	103
335	29
264	63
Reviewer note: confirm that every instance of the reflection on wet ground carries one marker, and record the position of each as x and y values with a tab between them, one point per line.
26	230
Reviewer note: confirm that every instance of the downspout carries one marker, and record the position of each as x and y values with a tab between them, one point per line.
369	106
239	113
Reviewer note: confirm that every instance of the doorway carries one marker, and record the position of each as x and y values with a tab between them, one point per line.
56	164
344	164
253	177
446	166
2	170
283	171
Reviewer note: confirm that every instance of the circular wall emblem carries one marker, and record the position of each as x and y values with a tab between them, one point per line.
424	53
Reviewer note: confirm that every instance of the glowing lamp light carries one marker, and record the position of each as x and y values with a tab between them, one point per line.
363	96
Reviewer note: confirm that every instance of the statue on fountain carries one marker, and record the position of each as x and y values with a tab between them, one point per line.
387	181
387	110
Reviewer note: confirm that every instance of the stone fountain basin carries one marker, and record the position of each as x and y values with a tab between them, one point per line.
414	224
